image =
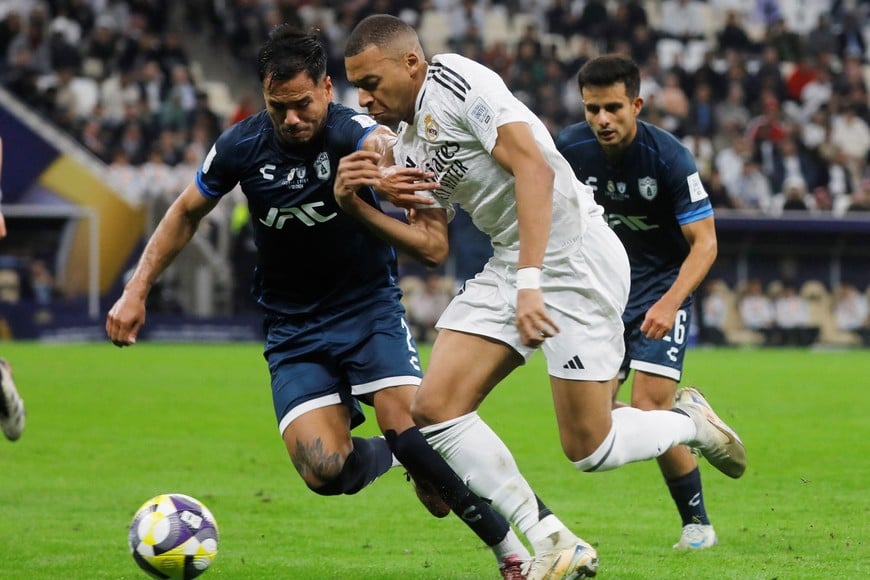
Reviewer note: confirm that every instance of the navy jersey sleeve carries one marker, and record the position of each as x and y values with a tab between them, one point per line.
348	128
221	169
690	199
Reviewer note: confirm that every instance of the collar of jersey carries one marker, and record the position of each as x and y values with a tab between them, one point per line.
419	104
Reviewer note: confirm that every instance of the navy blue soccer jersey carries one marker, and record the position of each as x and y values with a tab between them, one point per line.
647	195
311	255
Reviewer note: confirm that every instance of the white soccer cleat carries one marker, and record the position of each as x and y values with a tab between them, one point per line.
717	442
11	405
578	561
697	537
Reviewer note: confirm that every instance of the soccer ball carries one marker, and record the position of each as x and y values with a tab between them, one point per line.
173	536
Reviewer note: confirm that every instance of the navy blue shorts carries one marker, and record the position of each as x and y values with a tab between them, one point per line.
663	357
335	356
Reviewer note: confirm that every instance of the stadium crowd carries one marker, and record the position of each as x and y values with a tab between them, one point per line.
771	96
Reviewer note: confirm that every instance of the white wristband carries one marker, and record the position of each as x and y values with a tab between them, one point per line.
529	278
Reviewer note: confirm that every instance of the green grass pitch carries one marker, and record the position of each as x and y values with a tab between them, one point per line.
109	428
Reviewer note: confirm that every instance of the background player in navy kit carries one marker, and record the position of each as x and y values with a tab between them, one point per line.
336	330
11	404
650	188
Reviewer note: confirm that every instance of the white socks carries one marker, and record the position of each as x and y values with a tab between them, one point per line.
637	435
486	465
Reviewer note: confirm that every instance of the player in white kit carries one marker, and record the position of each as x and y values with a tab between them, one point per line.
558	279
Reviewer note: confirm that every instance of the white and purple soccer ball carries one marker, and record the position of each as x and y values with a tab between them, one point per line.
173	536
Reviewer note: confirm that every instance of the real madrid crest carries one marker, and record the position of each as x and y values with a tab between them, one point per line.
431	127
648	188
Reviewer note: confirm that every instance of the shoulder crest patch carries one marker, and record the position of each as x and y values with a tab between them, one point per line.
648	187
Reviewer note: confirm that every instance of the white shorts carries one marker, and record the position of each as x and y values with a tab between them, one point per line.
585	294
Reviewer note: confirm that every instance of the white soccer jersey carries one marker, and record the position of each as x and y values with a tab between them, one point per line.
458	111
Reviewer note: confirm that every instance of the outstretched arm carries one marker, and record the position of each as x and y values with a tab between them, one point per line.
424	237
174	231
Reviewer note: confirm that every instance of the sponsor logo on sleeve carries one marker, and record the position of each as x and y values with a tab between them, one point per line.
364	121
696	188
480	113
206	165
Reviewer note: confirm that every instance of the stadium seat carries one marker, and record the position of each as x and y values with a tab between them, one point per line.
653	12
736	333
712	22
821	315
220	99
690	54
434	31
563	48
496	26
10	286
520	22
320	17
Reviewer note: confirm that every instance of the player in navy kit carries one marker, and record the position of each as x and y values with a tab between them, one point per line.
336	332
649	186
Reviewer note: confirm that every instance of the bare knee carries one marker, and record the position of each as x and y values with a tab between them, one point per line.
317	467
422	412
318	443
393	408
583	412
652	392
584	440
319	476
647	400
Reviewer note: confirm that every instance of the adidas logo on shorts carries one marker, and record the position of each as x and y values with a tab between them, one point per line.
574	363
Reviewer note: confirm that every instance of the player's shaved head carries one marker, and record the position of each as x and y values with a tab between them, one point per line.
391	35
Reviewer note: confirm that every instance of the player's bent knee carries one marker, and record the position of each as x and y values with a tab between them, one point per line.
585	464
650	403
577	446
328	488
600	459
422	414
321	478
338	485
345	479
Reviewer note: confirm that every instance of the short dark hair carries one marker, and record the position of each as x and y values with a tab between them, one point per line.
378	30
289	51
609	69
